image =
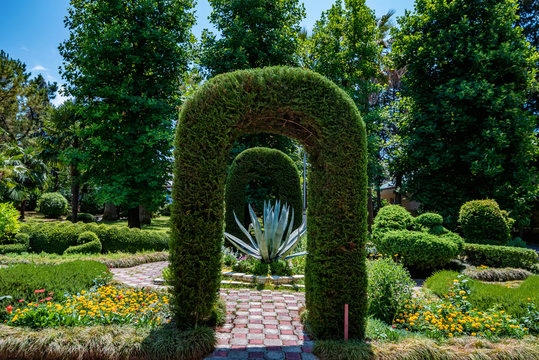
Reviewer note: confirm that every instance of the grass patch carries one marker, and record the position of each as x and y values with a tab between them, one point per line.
497	275
105	342
114	260
425	349
485	296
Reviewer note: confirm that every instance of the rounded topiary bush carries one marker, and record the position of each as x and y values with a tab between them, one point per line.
84	217
52	205
429	220
265	167
390	286
87	243
22	238
418	250
483	222
391	217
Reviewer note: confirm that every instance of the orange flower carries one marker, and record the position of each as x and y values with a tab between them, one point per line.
9	309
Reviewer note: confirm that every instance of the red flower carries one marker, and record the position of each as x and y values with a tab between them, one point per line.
39	291
9	309
41	300
51	293
49	298
21	300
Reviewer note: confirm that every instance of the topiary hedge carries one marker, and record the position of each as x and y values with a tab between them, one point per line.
87	243
84	217
419	250
52	205
392	217
57	237
483	222
311	109
500	256
261	165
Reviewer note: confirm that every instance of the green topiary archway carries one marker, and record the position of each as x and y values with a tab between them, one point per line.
261	163
311	109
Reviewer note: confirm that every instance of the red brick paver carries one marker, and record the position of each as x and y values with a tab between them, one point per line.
259	324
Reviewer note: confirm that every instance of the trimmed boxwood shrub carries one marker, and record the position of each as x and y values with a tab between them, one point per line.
13	248
261	165
419	250
84	217
483	222
87	243
57	237
311	109
392	217
52	205
499	256
429	220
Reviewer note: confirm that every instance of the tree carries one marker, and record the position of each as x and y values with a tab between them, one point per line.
253	33
468	135
528	12
123	62
23	101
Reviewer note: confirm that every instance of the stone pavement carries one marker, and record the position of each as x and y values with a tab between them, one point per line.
259	324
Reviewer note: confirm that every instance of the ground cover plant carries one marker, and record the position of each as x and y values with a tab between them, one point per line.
21	284
484	296
485	273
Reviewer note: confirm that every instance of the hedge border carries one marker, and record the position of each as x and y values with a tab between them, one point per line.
258	162
302	105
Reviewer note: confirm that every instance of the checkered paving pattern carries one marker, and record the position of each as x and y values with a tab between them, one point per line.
259	324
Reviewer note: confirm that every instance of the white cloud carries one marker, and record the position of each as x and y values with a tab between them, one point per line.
60	97
39	68
24	48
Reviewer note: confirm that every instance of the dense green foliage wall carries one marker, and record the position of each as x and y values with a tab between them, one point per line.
309	108
469	71
270	168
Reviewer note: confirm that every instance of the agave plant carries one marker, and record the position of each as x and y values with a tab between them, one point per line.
272	240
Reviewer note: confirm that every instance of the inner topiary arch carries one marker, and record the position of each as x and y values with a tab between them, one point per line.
253	164
311	109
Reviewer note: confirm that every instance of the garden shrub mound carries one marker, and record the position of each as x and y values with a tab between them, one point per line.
496	275
57	237
84	217
311	109
483	222
484	296
261	167
421	243
88	243
52	205
500	256
9	223
390	286
21	281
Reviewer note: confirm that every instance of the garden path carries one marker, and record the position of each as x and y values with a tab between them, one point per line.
259	324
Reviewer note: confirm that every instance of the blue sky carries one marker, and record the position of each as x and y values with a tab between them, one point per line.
31	30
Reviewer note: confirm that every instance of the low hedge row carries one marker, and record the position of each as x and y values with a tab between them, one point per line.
500	256
58	237
88	243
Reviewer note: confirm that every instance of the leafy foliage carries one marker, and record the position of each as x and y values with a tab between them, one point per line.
469	71
483	222
390	286
392	217
52	205
499	256
269	169
9	222
295	103
129	84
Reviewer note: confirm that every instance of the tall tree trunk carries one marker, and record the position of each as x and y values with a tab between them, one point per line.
133	217
23	206
398	184
378	198
370	218
110	212
75	192
144	215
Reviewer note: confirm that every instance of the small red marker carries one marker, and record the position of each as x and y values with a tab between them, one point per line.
345	322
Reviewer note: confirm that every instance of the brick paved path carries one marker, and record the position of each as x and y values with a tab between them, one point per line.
259	324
